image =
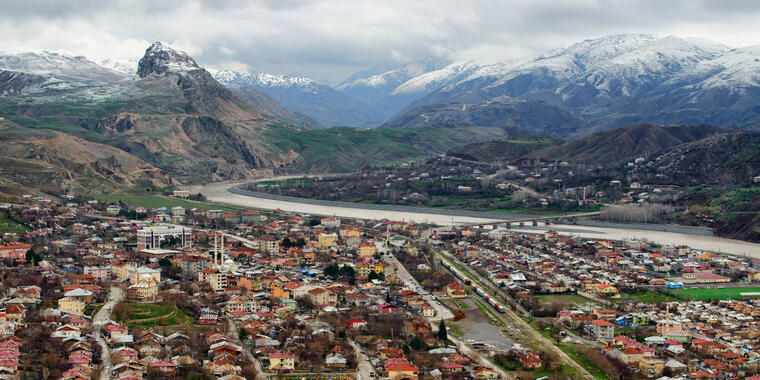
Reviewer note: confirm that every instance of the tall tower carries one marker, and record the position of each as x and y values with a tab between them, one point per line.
215	245
221	254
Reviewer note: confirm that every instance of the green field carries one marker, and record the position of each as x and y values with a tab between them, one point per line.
9	225
455	329
456	304
150	315
713	294
649	297
346	149
565	299
573	351
156	201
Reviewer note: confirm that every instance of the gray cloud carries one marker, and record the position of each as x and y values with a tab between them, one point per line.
330	39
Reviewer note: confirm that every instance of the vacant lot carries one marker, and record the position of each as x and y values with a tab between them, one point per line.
715	294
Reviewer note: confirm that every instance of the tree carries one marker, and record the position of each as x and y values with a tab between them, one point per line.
32	257
346	270
249	372
417	344
442	334
164	262
242	334
332	270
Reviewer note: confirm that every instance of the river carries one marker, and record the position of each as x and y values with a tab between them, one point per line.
219	192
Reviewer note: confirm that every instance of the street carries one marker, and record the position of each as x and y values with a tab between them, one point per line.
364	369
233	335
510	317
114	296
441	312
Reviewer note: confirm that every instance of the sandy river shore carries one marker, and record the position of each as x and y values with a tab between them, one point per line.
219	192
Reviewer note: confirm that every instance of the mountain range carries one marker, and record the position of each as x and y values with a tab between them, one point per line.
595	84
317	101
172	120
607	83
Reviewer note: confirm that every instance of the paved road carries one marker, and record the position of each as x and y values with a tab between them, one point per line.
233	335
364	368
477	356
510	317
114	296
441	312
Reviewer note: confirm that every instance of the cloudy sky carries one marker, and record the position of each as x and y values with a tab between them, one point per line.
331	39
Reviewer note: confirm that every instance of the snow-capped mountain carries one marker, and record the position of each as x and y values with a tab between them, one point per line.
614	81
616	65
160	59
305	96
377	86
58	66
454	73
18	83
266	80
123	66
736	68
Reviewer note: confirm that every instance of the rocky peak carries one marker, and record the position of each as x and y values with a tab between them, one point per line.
160	59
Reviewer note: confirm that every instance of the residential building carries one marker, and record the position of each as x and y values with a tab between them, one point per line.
71	305
326	240
366	250
279	361
330	222
602	329
217	280
14	251
269	244
101	273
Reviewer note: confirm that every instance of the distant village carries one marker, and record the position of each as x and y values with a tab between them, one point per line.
110	290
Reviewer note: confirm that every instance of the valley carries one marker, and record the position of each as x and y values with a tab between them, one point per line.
177	124
364	190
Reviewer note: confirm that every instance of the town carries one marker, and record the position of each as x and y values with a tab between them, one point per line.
111	290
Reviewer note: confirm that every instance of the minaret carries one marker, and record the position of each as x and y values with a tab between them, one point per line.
221	254
215	244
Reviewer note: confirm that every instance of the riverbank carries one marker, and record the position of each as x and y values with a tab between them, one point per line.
219	192
239	189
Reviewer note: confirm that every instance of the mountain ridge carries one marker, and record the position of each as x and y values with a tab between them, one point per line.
174	118
620	80
305	96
